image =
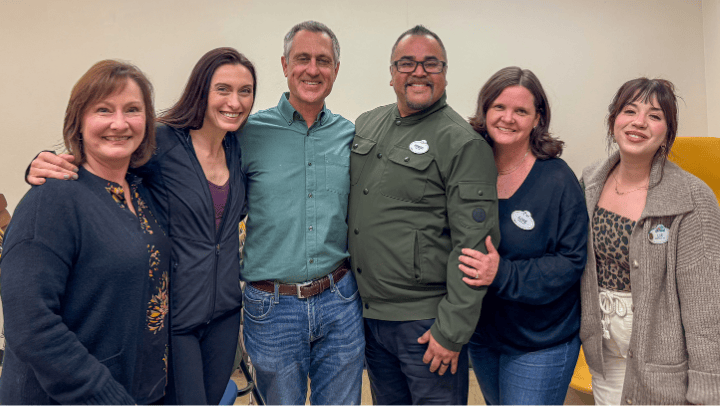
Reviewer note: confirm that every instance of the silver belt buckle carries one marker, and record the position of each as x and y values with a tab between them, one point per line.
301	285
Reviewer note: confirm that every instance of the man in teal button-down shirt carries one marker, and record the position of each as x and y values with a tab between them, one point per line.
296	159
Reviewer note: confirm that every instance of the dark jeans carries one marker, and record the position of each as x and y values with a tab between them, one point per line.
201	361
532	378
397	373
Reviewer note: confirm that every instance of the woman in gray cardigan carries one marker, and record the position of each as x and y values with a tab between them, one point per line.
651	288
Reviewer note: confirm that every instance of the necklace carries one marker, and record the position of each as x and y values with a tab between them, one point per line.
509	171
629	191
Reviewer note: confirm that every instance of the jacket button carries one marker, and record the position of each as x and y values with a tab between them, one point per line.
355	146
398	122
407	159
365	191
359	270
480	192
379	155
636	264
356	231
367	305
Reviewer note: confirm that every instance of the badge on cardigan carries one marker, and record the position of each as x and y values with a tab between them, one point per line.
659	234
523	219
419	147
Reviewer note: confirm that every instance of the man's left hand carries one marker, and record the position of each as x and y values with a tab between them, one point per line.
437	356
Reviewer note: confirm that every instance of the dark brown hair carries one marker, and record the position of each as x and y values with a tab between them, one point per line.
189	111
100	81
644	90
542	144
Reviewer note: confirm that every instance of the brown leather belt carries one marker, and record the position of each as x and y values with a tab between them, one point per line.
304	290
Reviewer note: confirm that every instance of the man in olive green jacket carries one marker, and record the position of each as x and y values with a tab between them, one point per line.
423	186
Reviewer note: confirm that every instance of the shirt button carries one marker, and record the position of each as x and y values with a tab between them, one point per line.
356	231
355	146
636	264
310	228
312	260
309	194
309	163
359	270
367	305
398	122
365	191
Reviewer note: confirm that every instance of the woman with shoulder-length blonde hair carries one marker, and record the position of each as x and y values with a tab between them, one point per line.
650	309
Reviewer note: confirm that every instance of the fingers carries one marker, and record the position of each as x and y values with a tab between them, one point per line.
48	165
454	364
475	254
33	180
424	339
489	245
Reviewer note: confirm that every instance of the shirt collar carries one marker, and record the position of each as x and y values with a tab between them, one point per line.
288	112
422	114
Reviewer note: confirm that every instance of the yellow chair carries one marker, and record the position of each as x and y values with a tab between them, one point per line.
701	157
581	379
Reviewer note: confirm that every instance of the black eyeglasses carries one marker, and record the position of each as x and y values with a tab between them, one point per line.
409	66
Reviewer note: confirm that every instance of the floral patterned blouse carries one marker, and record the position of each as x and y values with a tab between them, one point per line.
150	372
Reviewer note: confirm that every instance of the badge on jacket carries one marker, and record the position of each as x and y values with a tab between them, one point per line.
523	219
419	147
659	234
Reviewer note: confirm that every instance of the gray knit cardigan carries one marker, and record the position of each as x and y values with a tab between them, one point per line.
674	354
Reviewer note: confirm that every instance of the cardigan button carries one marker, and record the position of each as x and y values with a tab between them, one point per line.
632	308
636	264
628	401
630	354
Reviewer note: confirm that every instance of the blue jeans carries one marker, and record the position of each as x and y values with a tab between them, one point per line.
532	378
322	336
398	375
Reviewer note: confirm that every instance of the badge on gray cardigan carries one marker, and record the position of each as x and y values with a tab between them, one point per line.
659	234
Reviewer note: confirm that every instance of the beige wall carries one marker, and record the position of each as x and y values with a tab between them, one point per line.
582	51
711	31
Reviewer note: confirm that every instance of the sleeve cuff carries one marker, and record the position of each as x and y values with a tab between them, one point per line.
442	340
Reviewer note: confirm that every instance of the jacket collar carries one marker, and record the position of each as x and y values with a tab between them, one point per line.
288	112
420	115
668	195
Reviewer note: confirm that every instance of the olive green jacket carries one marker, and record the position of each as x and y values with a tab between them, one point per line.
422	188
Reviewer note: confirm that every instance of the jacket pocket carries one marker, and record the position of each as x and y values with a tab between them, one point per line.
405	175
479	198
337	174
360	151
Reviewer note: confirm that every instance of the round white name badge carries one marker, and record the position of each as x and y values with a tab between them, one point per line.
523	219
419	147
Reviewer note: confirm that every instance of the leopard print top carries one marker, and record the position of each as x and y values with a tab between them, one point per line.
611	238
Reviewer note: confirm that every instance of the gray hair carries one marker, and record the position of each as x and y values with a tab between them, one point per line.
312	26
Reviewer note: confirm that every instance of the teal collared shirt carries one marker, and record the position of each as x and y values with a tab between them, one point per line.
297	193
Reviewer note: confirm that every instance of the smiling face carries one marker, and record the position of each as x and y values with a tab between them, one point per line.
229	100
511	117
417	90
640	129
310	69
113	128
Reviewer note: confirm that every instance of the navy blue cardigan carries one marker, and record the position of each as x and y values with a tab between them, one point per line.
74	288
534	301
206	265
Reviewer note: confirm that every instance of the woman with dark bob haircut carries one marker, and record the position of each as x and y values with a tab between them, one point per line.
199	189
86	266
654	253
526	343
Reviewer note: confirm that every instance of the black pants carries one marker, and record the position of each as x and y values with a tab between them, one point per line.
201	361
397	373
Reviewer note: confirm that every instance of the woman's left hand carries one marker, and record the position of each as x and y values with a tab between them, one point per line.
480	268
